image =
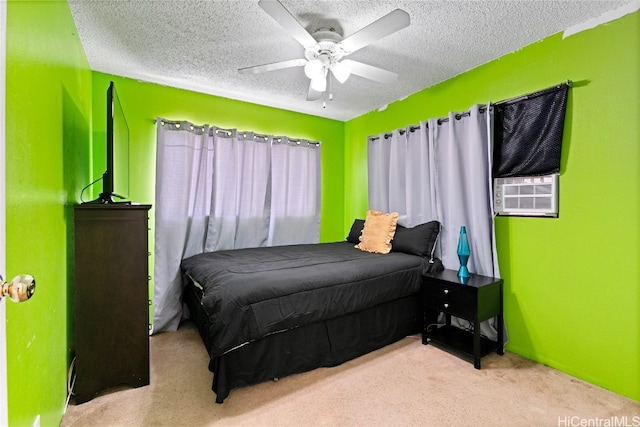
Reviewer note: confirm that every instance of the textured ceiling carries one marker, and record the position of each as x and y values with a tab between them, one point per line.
199	45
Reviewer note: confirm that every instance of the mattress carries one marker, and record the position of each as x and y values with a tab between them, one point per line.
248	294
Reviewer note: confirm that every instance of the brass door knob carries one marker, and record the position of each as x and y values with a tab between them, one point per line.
20	289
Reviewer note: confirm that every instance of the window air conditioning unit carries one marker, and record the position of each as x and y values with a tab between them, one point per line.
526	196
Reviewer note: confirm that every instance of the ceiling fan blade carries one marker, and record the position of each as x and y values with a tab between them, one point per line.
313	95
388	24
278	12
274	66
370	72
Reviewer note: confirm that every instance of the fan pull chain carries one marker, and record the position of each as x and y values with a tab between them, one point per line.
324	94
330	86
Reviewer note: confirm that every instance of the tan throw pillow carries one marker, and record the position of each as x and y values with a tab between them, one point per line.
379	229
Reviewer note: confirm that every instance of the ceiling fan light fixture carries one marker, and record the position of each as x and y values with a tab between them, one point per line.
319	83
340	71
314	68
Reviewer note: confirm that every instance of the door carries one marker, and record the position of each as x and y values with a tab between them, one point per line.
4	417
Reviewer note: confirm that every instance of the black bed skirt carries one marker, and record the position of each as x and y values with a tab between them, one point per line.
321	344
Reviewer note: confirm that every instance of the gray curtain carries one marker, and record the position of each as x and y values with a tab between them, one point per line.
400	179
184	176
463	189
441	170
295	195
240	193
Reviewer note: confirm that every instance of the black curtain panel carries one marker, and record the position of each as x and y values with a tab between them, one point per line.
528	133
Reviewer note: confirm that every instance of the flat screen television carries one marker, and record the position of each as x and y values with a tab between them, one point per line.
115	179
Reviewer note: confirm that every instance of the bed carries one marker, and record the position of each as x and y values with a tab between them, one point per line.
264	313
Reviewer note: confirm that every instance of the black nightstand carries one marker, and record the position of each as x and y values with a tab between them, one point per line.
479	299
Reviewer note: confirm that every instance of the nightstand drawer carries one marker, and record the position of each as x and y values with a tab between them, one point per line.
458	294
461	305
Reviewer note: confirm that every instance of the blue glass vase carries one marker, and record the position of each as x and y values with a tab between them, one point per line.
463	253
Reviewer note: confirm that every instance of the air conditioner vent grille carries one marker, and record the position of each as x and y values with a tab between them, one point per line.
526	196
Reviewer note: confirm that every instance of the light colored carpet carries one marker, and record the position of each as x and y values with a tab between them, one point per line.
404	384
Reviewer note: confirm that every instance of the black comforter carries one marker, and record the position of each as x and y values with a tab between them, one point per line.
250	293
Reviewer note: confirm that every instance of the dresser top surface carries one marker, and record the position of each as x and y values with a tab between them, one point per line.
113	206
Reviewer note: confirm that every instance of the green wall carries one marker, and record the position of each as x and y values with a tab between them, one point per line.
572	297
48	100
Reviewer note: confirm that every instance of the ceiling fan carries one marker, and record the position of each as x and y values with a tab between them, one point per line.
325	49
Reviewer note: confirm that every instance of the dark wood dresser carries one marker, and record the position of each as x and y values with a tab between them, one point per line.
111	297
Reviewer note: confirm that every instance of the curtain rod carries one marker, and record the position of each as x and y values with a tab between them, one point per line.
441	120
265	138
532	94
229	132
